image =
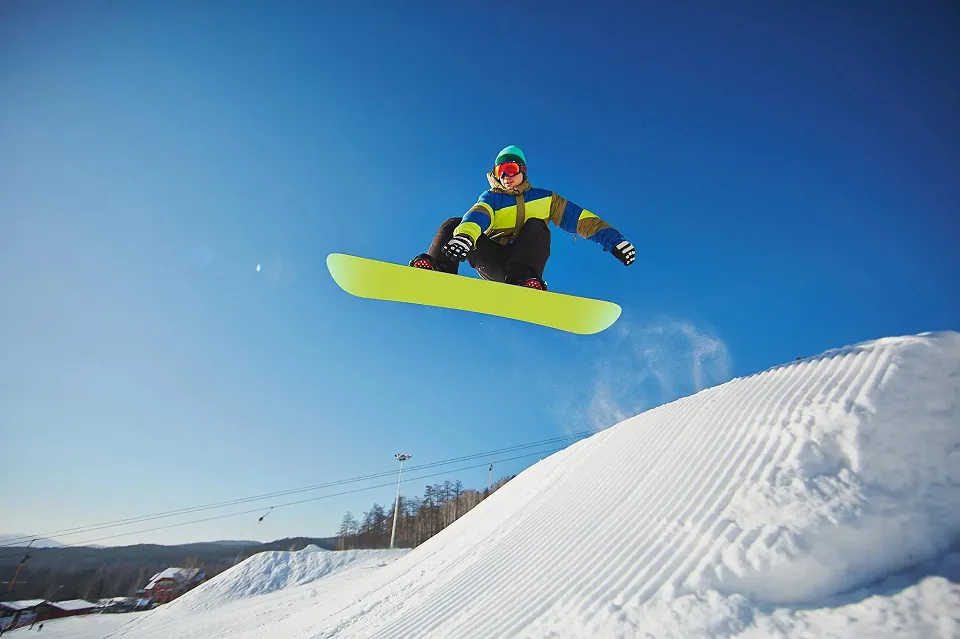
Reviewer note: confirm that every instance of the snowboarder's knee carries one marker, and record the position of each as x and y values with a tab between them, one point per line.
451	223
535	226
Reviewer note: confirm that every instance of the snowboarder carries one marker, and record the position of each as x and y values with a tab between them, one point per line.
505	235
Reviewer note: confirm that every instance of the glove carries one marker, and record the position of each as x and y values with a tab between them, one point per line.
456	249
624	252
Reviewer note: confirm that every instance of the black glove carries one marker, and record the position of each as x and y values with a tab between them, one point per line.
624	252
456	249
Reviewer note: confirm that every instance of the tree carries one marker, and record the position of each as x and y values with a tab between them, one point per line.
373	530
428	509
94	588
457	491
348	528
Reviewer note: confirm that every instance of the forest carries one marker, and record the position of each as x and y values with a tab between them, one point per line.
420	518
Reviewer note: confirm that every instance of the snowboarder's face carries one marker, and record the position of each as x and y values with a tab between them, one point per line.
511	181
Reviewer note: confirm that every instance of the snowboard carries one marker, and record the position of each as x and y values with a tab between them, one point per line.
374	279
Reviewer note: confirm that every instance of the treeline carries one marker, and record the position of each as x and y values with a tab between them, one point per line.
419	518
113	579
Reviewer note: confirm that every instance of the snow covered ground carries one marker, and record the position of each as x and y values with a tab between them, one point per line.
85	627
272	571
820	498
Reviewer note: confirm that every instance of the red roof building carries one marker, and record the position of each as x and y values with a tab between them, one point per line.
60	609
171	583
16	614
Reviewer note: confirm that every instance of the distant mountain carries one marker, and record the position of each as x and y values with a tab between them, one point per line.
7	539
17	540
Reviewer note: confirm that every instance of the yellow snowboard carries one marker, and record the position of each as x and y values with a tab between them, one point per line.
397	283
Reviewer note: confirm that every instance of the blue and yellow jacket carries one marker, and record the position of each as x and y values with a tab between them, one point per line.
499	213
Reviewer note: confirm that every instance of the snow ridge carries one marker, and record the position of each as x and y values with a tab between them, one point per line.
754	508
268	572
784	487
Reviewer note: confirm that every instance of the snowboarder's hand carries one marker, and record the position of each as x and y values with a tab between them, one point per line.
456	249
625	252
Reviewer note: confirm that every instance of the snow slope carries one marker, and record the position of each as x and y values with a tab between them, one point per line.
252	598
94	626
780	504
268	572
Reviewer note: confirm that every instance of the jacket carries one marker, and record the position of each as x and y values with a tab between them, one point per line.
499	213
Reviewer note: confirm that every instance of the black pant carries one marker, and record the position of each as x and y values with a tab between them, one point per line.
526	256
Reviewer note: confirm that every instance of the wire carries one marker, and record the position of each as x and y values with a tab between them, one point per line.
292	503
14	542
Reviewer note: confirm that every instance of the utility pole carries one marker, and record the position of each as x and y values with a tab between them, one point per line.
20	567
396	506
490	476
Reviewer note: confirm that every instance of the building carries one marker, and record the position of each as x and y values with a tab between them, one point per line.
60	609
15	614
171	583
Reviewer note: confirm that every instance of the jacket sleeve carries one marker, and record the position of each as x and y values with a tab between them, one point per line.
587	224
478	218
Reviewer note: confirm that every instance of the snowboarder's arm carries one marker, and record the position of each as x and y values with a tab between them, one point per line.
478	218
587	224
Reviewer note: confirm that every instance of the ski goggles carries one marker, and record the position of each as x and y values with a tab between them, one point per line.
507	169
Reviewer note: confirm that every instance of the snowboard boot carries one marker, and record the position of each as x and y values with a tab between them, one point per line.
522	275
427	261
534	282
423	261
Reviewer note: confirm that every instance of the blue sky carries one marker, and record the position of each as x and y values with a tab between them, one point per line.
787	173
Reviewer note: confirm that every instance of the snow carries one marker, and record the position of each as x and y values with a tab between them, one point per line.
73	604
271	571
80	627
21	605
818	498
174	573
177	574
110	600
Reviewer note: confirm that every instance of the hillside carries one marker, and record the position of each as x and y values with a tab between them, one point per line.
818	498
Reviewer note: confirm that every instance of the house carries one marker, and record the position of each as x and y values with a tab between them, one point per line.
60	609
171	583
14	614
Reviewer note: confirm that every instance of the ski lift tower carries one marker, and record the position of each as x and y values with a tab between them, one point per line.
396	506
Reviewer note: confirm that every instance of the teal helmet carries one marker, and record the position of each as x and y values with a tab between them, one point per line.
512	153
